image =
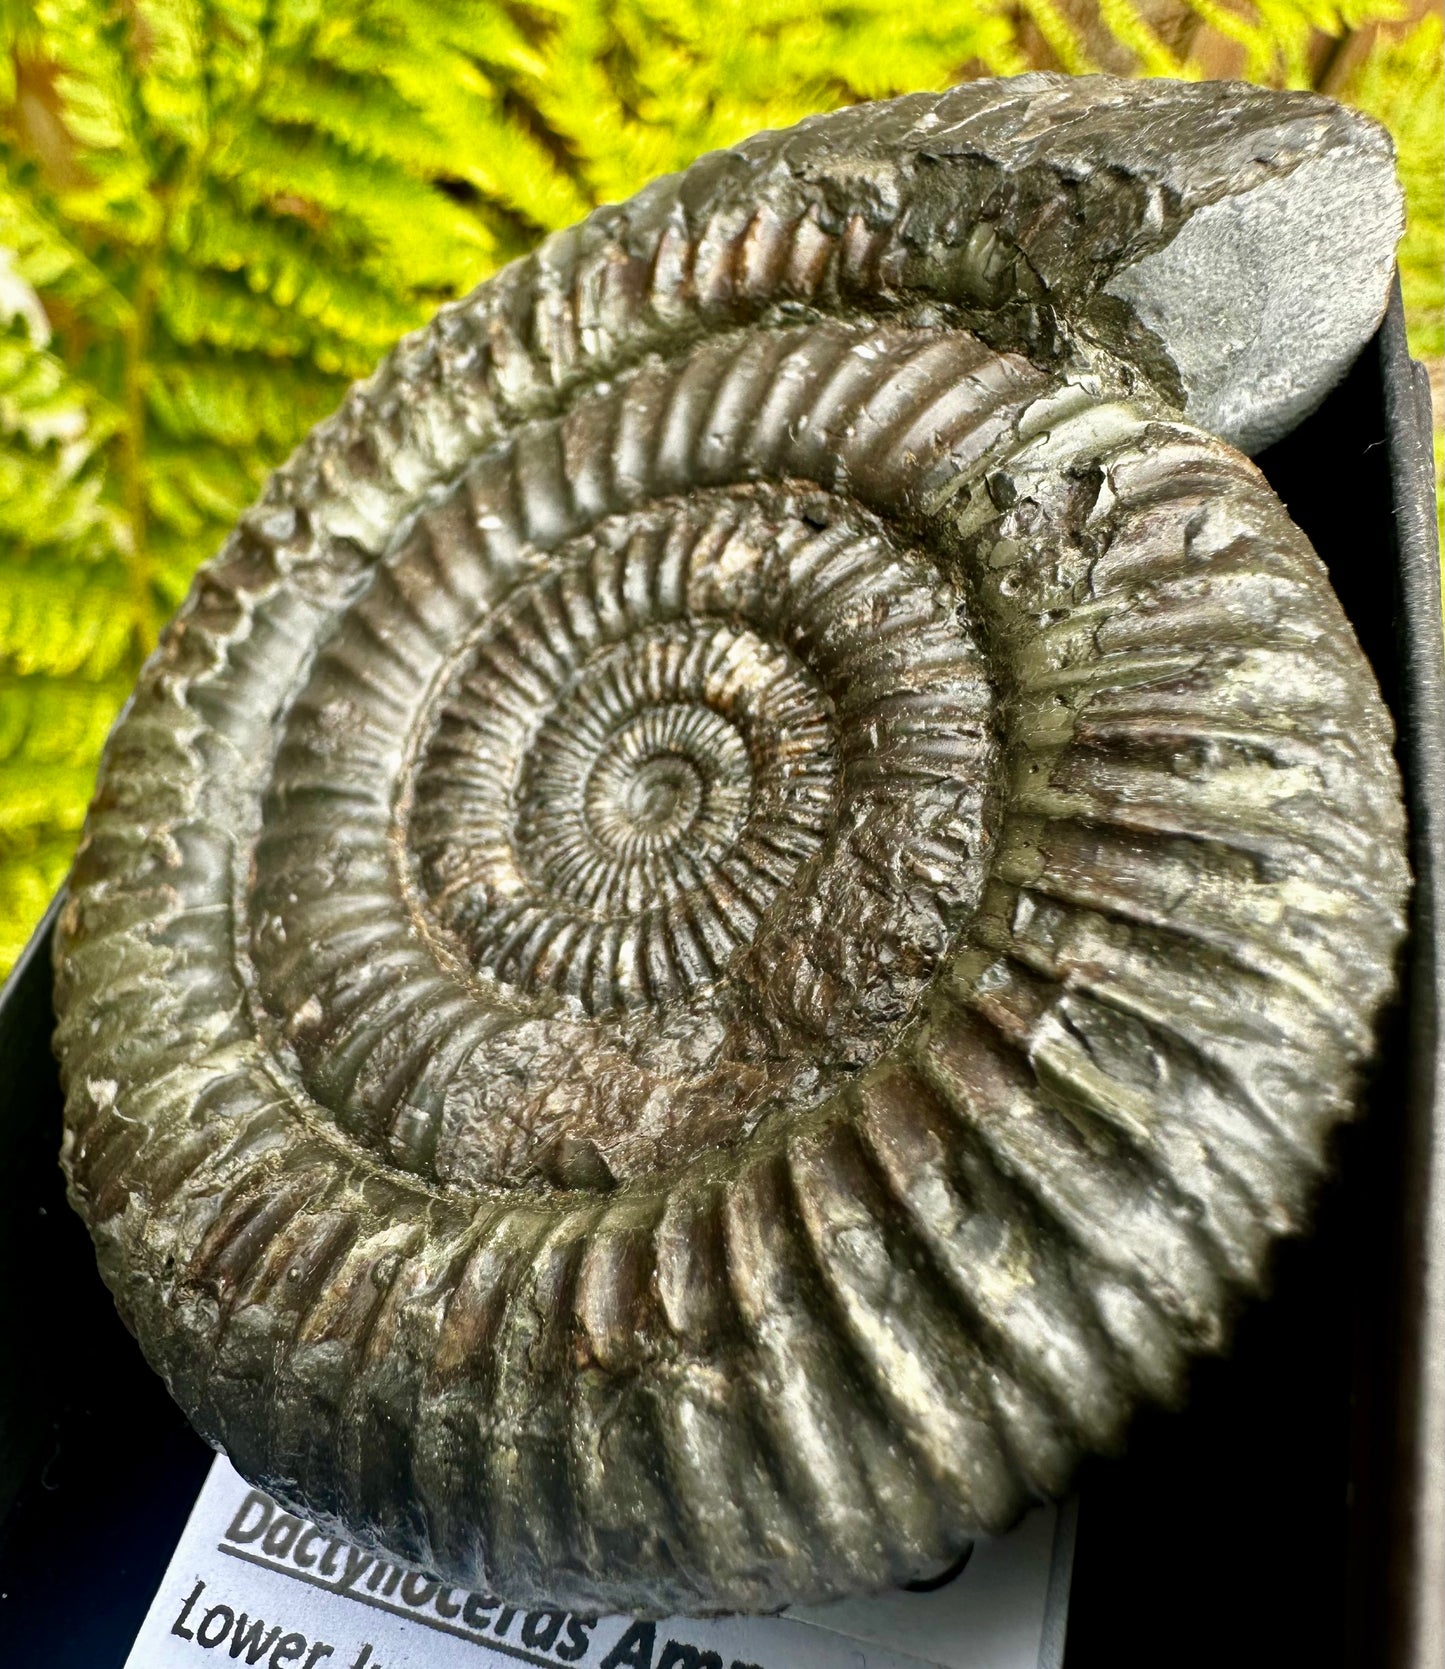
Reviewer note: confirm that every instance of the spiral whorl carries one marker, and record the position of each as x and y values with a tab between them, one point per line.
732	918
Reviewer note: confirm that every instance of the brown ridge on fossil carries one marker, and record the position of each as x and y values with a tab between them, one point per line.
735	914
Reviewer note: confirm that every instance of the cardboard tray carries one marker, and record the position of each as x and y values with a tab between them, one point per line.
1295	1513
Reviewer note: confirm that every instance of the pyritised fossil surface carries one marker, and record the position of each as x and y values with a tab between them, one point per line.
732	918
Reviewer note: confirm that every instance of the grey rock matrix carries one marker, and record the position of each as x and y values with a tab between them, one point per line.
732	918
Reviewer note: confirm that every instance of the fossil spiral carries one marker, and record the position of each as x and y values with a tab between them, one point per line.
731	919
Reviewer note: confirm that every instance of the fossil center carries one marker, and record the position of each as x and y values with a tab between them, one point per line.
695	807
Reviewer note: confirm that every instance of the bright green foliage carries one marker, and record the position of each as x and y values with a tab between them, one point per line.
1403	86
214	214
59	686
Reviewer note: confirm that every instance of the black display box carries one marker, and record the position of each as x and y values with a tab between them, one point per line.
1294	1514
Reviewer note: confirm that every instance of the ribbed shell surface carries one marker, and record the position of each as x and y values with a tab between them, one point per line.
733	917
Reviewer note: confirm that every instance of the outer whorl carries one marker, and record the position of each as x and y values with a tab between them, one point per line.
732	918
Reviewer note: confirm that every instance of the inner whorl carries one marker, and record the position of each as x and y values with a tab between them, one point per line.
670	828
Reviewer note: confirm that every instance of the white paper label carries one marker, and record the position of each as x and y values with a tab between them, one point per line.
252	1584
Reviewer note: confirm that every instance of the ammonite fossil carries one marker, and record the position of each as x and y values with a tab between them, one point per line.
732	918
